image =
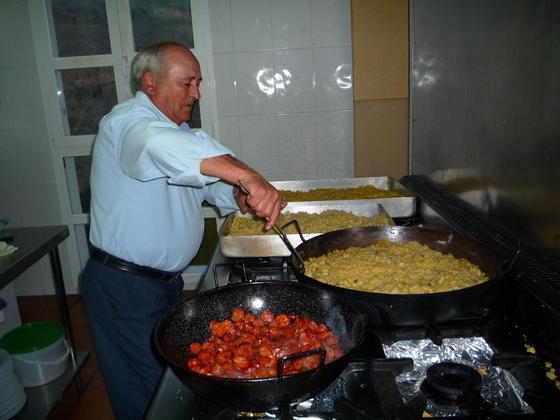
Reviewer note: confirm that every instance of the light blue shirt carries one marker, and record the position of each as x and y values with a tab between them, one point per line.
147	189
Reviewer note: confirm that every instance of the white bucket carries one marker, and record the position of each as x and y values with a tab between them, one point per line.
42	366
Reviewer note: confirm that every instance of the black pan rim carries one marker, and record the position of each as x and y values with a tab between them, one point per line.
387	296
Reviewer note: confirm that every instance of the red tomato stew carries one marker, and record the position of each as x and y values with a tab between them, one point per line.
248	346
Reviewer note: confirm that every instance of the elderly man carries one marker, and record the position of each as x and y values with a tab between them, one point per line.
150	174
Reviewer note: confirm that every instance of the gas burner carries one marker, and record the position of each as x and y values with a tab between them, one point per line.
449	383
350	396
260	269
458	377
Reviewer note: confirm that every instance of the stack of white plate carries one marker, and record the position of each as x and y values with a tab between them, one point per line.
12	395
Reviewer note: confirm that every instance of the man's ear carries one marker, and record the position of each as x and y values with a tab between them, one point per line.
149	83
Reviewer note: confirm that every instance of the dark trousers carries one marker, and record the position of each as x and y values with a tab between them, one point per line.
122	310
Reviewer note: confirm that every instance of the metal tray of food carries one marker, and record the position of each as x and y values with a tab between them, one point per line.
271	245
404	206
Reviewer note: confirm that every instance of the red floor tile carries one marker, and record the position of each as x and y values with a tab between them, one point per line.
63	409
37	308
78	315
94	403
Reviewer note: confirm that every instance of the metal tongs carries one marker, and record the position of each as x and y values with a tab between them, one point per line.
278	231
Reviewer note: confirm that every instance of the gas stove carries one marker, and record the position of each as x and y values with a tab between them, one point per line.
371	386
495	361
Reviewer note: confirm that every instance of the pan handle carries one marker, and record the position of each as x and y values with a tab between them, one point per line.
295	356
284	237
298	228
511	262
279	231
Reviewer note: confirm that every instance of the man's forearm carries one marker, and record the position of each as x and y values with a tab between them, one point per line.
226	167
259	195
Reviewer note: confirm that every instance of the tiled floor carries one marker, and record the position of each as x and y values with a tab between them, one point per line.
93	403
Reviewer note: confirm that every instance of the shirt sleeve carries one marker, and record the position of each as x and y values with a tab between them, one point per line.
155	149
220	194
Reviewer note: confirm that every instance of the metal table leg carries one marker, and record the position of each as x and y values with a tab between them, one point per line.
60	291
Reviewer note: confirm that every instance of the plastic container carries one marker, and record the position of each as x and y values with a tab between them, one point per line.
39	352
3	305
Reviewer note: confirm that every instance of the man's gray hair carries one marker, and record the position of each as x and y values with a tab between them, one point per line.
149	60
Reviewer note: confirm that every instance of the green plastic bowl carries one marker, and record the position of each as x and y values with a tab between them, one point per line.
31	337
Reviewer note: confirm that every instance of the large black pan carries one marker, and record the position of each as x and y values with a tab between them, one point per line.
405	309
189	320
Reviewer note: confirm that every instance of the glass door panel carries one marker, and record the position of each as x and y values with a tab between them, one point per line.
81	233
86	95
161	20
195	121
80	28
77	170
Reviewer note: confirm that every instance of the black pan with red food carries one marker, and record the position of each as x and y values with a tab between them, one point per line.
406	309
189	321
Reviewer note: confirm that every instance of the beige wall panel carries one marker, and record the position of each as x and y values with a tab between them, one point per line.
381	138
380	49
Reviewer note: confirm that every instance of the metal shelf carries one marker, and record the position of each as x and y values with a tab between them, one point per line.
42	399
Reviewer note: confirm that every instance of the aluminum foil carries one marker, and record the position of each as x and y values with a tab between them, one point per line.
500	389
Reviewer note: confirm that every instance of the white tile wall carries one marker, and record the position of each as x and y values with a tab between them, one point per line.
333	128
259	143
291	24
28	194
332	67
250	25
30	282
294	80
6	120
24	92
331	23
43	203
221	34
34	152
15	35
279	65
11	175
297	143
255	83
229	133
224	74
15	207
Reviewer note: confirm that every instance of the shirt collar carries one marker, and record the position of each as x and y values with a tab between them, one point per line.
143	100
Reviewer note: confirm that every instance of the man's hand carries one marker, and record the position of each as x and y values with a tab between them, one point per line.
262	198
241	199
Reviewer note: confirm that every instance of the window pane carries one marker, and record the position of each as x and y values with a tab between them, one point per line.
77	170
87	95
161	20
81	233
80	27
209	243
195	120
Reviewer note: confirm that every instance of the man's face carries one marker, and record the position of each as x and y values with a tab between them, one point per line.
178	89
